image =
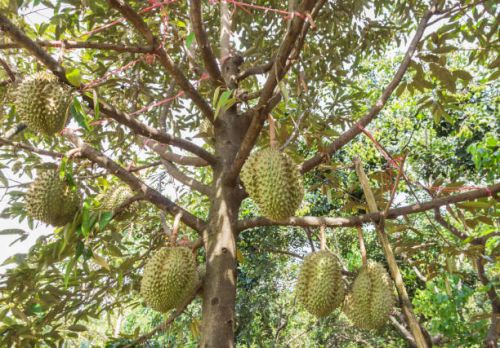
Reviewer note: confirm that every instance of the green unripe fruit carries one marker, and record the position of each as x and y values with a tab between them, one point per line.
170	276
273	181
51	199
42	102
371	299
320	288
114	198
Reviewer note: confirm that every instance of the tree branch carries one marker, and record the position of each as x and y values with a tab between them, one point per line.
29	148
267	96
131	122
439	218
255	70
137	185
163	326
203	42
406	304
371	217
491	340
186	180
8	70
379	105
225	31
162	151
84	44
163	56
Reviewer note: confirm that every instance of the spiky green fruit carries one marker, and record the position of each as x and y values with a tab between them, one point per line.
51	199
42	102
371	299
273	181
170	276
320	288
113	198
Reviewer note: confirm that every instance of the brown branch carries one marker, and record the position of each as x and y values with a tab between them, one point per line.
403	331
203	42
352	132
131	170
186	180
439	219
163	326
8	70
137	185
491	340
295	132
267	94
85	45
162	151
362	247
311	221
255	70
18	128
131	122
163	57
29	148
225	31
406	305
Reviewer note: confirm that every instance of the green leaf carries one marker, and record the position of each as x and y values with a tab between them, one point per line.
79	114
224	103
463	75
189	40
17	258
97	112
3	180
105	219
74	76
11	231
114	250
443	75
101	261
77	328
86	222
216	96
67	272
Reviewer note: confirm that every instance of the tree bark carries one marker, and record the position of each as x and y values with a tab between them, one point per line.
219	289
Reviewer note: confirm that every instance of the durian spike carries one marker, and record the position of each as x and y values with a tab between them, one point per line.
362	247
272	132
322	237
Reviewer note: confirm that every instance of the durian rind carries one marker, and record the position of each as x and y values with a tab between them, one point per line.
52	200
42	102
371	299
170	276
320	288
114	197
273	181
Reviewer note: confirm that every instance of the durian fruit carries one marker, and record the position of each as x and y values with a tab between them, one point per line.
113	198
320	288
170	276
371	299
42	102
51	199
273	181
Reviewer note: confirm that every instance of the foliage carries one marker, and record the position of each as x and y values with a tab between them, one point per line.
80	284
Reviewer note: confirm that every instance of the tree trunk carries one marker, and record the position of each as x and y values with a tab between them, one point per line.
219	292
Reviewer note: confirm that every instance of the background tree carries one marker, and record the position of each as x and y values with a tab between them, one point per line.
183	90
